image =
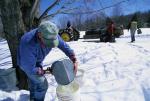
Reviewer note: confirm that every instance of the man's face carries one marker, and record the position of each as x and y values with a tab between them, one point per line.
51	41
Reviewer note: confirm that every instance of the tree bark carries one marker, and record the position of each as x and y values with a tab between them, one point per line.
14	28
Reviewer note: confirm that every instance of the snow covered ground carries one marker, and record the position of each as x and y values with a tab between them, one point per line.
113	71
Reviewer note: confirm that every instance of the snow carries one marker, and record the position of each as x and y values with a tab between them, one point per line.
112	71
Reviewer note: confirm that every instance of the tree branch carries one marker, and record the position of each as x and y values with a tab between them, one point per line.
60	11
49	8
94	11
33	11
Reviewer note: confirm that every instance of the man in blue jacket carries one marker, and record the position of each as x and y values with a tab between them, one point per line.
34	46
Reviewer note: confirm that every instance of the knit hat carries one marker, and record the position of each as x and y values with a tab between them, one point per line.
49	33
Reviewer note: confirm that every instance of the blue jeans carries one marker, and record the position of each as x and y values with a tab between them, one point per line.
133	35
38	86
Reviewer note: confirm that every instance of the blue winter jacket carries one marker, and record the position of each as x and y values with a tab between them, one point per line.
31	53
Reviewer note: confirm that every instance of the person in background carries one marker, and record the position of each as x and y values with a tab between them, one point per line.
69	24
75	34
133	27
69	27
110	30
33	48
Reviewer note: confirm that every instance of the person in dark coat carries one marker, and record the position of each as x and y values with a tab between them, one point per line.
110	30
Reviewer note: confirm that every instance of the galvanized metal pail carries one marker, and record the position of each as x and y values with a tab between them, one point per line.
63	71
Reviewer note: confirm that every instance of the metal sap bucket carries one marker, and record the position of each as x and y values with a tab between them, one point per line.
63	71
8	80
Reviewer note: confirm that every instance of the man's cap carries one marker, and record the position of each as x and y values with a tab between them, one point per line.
48	29
49	32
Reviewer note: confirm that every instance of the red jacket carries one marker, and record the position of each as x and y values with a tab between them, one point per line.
110	28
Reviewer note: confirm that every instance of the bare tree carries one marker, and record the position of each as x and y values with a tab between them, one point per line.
1	27
17	19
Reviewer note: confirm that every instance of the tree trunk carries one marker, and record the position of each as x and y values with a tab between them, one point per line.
13	27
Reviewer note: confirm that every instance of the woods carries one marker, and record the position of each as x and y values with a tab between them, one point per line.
98	20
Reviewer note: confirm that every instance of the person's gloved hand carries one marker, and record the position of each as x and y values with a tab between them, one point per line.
75	63
40	71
